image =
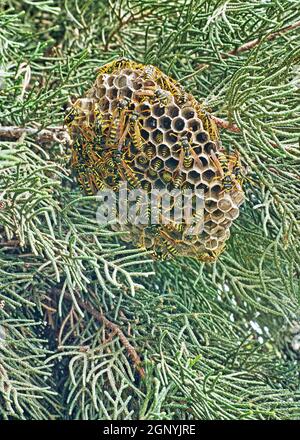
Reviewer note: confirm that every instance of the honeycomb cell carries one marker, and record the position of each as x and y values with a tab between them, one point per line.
188	113
201	137
151	123
210	205
126	91
110	79
208	175
194	176
170	137
112	93
178	124
157	136
172	111
165	122
194	125
225	204
120	81
158	111
104	104
100	92
164	151
171	163
209	147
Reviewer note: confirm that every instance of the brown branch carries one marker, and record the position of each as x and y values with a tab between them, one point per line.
132	353
51	134
225	124
253	43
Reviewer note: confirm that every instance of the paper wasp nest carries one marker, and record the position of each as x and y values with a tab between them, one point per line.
138	125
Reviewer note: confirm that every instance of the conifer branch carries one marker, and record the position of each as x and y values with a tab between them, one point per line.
132	353
51	134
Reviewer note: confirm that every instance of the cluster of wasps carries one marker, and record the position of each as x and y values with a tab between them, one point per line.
108	136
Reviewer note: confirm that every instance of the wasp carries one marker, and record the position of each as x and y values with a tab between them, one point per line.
70	116
120	63
178	180
84	179
226	166
188	154
149	150
117	125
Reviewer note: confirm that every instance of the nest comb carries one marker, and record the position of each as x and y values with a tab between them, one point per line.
138	125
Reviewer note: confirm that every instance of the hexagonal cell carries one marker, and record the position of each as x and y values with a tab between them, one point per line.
144	110
197	149
166	176
219	234
194	125
170	137
104	104
157	110
202	186
172	111
238	197
137	85
165	122
159	184
157	136
194	176
151	123
152	174
232	214
164	151
126	91
212	244
171	163
188	112
178	124
109	79
100	92
208	175
141	161
203	160
120	81
209	147
145	135
225	204
149	150
112	93
210	205
218	215
201	137
157	163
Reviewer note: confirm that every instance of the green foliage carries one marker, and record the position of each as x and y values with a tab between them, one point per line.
216	341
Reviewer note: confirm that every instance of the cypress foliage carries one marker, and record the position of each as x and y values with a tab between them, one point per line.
92	329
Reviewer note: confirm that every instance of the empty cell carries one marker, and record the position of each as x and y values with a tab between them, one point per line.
112	93
125	91
194	125
188	112
159	184
201	137
110	79
120	81
178	124
101	91
194	176
157	110
171	163
203	160
232	214
218	215
104	104
203	187
208	175
224	204
209	147
210	205
151	123
172	111
145	135
165	122
137	85
198	150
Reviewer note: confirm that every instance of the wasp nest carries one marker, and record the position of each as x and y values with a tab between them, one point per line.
139	126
